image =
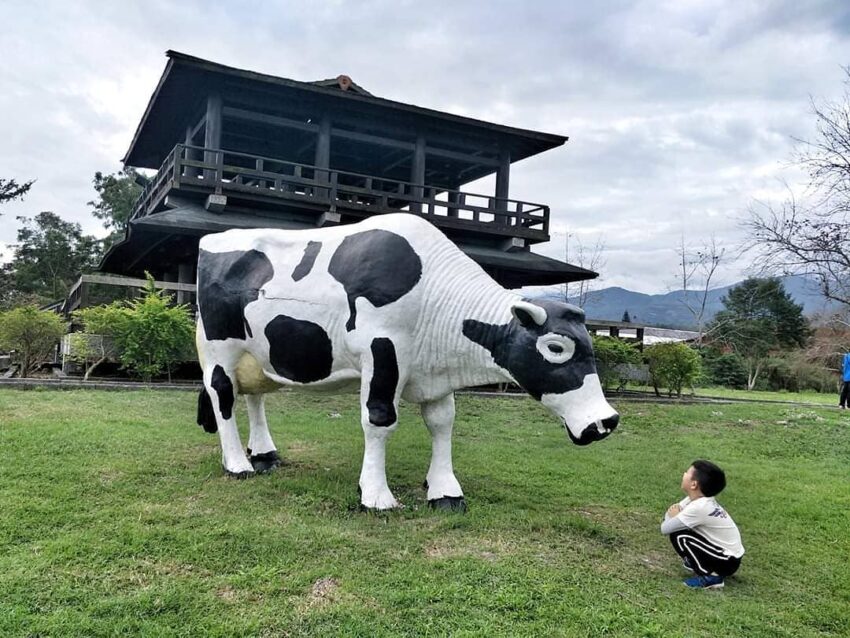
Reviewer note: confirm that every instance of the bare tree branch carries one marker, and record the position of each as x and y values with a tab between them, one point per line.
812	237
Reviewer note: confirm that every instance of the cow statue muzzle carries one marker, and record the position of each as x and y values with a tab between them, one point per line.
587	416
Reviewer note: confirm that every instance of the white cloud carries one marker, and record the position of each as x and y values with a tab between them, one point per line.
680	114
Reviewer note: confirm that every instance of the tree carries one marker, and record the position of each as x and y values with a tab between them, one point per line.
626	317
10	296
610	354
585	257
10	190
759	318
96	342
117	194
50	254
153	334
31	333
811	236
673	366
698	269
726	369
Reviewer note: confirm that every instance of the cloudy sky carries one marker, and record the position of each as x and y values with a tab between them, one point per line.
680	114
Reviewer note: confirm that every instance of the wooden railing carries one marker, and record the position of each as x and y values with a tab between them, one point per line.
232	173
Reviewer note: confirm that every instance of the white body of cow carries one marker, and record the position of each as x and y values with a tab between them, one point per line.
389	305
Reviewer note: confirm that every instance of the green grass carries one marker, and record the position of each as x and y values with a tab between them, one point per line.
115	519
808	396
819	398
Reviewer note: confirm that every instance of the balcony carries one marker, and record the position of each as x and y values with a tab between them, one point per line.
263	183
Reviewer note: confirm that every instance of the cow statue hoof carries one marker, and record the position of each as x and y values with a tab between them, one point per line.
265	462
448	504
239	475
378	502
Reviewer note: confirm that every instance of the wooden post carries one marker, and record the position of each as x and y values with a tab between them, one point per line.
84	295
212	133
502	185
417	175
185	275
323	154
454	200
191	171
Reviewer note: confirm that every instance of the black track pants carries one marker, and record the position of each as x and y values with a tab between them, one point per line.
704	556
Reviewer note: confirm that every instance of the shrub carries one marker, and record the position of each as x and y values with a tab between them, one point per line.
673	366
148	335
96	343
793	373
153	334
611	353
31	333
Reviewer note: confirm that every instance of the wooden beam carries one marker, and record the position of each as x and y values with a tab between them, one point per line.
271	120
469	158
401	160
374	139
132	282
202	120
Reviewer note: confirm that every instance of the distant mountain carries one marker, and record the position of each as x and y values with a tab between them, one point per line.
669	311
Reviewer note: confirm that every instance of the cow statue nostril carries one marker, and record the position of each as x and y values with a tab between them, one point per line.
611	423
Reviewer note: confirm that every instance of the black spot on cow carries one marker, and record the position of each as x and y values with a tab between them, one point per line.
383	385
206	415
307	260
299	350
514	348
377	265
224	389
227	282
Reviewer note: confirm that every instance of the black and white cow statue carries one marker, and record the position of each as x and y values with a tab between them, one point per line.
389	305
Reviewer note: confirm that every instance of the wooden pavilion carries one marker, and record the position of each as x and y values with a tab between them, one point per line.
238	149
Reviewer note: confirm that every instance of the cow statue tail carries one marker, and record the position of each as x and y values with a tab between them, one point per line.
206	416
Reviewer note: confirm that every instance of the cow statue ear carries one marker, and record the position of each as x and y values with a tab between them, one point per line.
528	314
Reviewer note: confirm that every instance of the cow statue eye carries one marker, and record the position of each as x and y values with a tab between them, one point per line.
556	348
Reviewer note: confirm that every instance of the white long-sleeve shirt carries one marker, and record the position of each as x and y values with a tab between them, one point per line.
707	518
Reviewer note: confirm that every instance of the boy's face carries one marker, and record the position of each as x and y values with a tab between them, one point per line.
688	480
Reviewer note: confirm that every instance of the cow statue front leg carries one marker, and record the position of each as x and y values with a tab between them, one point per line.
379	394
262	452
444	491
219	384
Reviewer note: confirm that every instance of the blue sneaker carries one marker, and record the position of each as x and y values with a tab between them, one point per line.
705	582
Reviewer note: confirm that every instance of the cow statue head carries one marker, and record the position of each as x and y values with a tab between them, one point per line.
547	350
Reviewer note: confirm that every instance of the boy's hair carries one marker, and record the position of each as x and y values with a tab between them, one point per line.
710	478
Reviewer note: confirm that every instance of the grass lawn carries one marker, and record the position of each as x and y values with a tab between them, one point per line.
115	519
820	398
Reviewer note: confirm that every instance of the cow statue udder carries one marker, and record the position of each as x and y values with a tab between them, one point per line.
389	305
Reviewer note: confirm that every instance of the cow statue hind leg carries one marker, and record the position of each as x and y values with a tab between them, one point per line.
379	396
262	452
444	491
221	391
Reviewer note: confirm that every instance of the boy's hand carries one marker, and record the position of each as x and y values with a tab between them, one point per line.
673	510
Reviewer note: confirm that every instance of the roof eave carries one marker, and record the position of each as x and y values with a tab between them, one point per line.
169	65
